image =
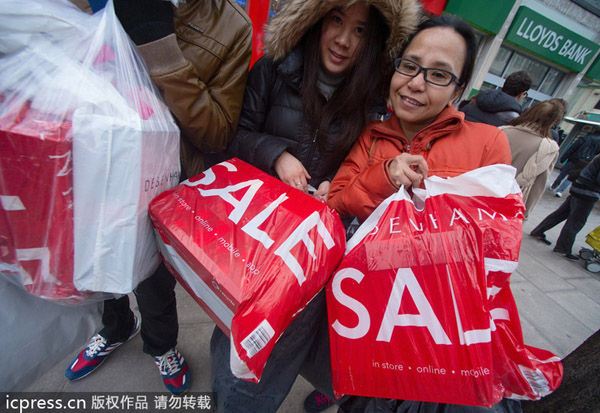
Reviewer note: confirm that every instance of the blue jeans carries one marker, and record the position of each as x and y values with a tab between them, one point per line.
564	172
563	186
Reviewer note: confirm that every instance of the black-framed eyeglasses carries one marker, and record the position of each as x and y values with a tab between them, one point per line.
435	76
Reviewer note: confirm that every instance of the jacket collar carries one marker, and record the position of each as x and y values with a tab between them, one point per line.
448	121
292	67
286	28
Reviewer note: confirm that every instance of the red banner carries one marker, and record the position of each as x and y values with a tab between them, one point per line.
258	11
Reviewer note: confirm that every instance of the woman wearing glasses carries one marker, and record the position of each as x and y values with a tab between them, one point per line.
425	133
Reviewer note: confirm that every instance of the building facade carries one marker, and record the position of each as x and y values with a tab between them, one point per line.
556	41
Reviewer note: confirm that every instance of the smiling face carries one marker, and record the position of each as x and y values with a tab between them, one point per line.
417	103
342	37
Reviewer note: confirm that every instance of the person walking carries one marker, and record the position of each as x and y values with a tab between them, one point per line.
579	154
198	56
534	151
575	210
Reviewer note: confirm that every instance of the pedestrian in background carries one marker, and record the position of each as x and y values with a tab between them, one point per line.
534	151
579	154
576	209
498	106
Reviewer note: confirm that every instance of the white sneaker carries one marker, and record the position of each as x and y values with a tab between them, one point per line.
558	194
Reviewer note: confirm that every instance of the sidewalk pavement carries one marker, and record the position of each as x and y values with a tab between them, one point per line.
558	302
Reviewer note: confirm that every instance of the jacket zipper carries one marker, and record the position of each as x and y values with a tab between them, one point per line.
313	147
193	26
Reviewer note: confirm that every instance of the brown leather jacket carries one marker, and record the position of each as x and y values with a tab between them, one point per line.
201	72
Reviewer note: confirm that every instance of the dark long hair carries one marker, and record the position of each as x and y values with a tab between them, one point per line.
361	88
464	30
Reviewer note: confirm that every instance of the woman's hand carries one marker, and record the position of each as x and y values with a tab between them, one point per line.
408	170
322	192
291	171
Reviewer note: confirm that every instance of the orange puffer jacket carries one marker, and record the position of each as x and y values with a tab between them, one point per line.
450	145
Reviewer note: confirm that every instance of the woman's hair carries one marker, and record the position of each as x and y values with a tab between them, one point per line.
363	85
464	30
542	116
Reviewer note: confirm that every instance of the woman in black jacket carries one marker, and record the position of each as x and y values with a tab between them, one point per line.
310	96
322	80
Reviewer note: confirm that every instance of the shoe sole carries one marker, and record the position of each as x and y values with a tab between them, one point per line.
179	394
541	238
564	254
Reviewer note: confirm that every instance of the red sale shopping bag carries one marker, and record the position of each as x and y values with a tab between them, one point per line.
421	304
522	372
251	250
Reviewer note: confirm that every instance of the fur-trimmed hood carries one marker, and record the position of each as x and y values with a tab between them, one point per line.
286	28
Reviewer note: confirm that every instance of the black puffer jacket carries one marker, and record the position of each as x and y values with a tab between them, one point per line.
493	107
587	185
584	148
272	122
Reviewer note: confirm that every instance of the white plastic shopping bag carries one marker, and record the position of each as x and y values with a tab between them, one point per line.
86	143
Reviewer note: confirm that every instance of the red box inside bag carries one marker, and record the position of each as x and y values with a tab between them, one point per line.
36	189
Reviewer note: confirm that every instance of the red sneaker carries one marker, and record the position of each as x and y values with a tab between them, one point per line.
174	371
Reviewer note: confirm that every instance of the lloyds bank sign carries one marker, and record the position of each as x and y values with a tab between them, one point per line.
548	39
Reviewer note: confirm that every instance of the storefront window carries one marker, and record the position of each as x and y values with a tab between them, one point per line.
536	69
500	62
478	38
551	82
576	95
546	78
590	5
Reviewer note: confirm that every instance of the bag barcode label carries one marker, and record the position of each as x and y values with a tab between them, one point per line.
258	338
538	382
